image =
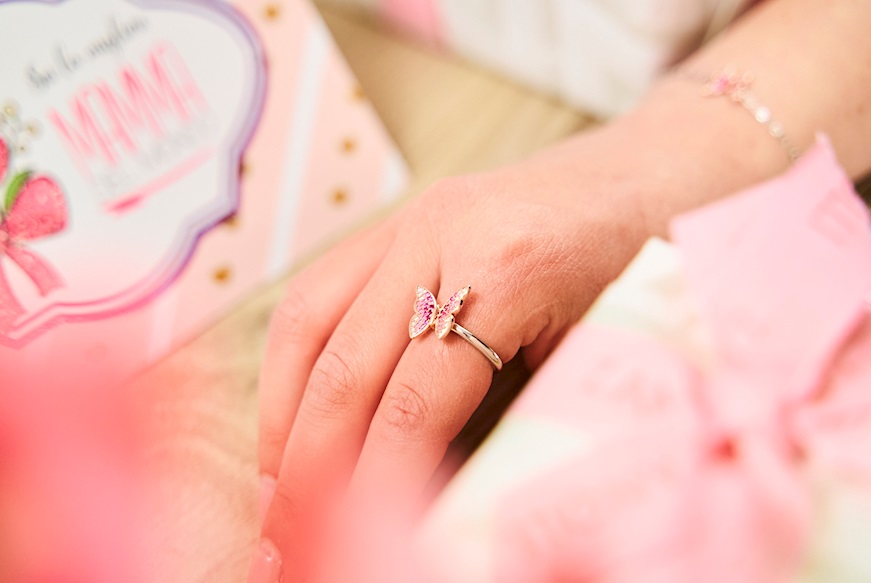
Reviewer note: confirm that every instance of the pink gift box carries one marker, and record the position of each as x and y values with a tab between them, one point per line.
709	420
161	160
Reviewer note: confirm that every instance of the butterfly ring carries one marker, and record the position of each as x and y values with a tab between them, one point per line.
428	314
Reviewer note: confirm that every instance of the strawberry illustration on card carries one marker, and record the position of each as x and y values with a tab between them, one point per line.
33	207
143	110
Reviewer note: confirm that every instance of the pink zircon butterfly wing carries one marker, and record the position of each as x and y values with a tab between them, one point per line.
445	319
424	312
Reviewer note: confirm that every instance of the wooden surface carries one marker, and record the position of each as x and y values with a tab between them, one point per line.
201	403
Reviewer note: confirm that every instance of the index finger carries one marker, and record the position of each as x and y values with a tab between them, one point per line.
342	393
315	302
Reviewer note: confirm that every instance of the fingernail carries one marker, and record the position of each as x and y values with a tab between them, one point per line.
266	566
267	491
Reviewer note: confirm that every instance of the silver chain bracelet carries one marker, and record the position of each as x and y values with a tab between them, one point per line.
736	86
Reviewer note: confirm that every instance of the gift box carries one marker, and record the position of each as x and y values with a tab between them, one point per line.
708	420
598	55
160	160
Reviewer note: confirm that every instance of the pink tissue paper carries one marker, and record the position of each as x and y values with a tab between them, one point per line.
708	420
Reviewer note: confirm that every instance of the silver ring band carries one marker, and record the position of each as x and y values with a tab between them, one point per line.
482	348
428	314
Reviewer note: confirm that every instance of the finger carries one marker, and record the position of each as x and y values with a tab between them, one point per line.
341	395
315	302
436	387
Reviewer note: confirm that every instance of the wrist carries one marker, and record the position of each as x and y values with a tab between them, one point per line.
675	152
688	150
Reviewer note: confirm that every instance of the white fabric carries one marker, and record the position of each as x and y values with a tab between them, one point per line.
599	55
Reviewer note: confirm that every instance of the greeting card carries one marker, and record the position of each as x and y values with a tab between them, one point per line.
159	159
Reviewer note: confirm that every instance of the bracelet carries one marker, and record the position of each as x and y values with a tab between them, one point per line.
736	87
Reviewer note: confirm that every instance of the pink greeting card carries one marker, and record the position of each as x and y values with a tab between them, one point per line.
160	159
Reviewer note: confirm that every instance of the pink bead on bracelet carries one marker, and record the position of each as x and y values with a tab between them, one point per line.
736	87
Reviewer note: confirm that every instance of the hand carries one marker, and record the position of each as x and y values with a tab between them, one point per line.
347	400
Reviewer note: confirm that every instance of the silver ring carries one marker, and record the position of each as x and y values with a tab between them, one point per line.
428	314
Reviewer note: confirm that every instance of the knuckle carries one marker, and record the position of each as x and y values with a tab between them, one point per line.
334	382
426	218
444	195
529	253
449	186
291	320
405	410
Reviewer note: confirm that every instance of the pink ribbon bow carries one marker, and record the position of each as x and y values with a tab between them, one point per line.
722	474
37	211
